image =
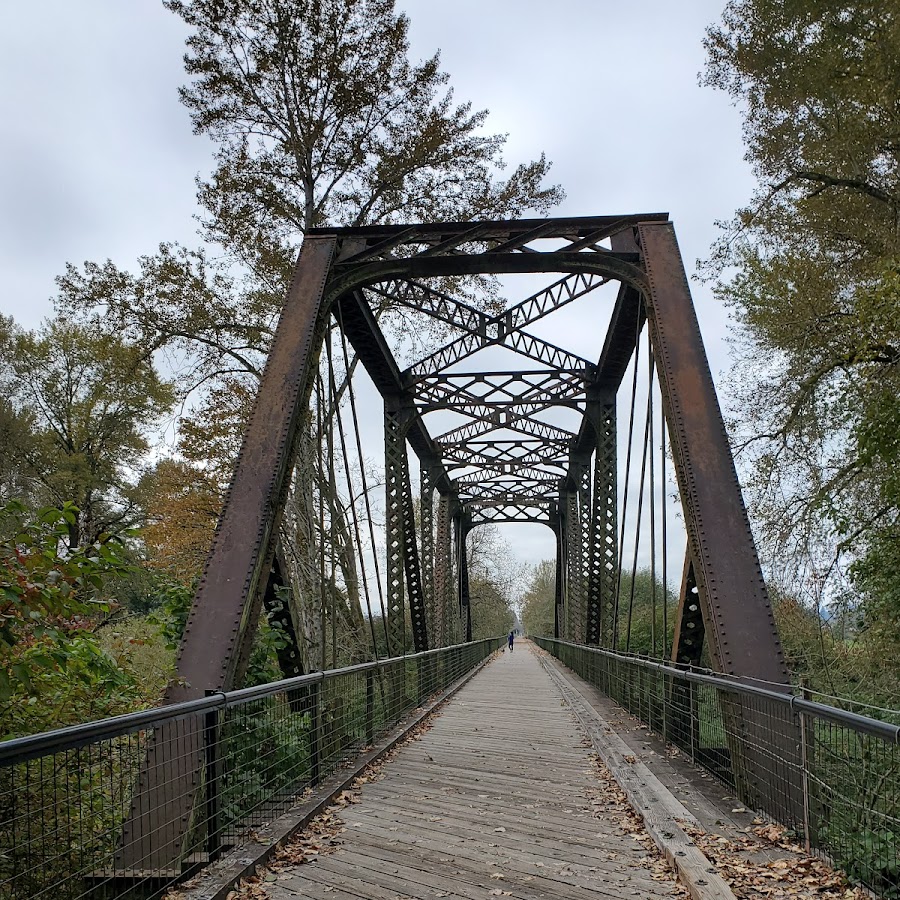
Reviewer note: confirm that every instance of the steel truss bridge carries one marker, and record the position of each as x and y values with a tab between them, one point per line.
397	325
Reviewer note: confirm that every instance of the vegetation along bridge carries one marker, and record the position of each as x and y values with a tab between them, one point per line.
572	767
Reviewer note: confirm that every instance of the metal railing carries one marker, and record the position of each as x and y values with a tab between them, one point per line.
831	775
66	795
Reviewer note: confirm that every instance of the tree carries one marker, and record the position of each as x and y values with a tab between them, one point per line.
182	495
80	403
538	615
815	286
491	613
640	627
51	600
318	118
181	503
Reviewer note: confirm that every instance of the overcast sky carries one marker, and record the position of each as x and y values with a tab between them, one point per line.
99	159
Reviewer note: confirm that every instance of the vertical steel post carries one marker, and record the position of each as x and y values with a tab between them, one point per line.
804	763
213	782
370	706
395	464
443	572
560	583
603	567
574	605
426	524
582	471
465	612
315	732
402	547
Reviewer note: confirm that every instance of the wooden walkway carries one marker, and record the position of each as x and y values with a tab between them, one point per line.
494	800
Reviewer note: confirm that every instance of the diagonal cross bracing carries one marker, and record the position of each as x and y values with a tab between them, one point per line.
521	424
520	474
505	329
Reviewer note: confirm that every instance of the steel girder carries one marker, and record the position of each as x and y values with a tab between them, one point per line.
220	627
402	549
493	389
505	454
484	331
443	572
603	542
336	269
426	525
462	526
742	635
521	424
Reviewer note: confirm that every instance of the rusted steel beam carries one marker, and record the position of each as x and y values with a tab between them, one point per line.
370	345
603	541
503	230
687	643
740	625
426	528
219	632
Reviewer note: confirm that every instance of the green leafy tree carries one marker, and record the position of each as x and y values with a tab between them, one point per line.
538	601
52	667
492	614
642	627
810	270
318	117
80	405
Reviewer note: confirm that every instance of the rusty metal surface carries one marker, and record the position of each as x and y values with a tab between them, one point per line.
741	629
690	629
515	466
603	572
220	627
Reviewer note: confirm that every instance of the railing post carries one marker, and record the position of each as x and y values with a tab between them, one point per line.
370	706
804	763
694	719
423	665
315	731
211	740
666	692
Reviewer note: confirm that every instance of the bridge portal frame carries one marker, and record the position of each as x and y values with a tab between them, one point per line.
334	267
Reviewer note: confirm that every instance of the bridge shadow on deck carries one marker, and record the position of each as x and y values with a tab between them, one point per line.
494	800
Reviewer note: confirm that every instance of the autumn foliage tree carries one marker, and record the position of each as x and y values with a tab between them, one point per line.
318	116
80	405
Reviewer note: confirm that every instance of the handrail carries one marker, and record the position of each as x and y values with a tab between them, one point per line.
885	730
73	736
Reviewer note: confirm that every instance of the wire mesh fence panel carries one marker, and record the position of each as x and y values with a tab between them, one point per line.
831	775
233	762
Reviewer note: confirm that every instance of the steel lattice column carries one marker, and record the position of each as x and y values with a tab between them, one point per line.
465	612
573	565
395	462
443	572
603	534
426	516
577	531
402	549
559	584
582	471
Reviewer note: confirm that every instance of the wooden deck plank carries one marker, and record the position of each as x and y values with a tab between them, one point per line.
583	873
497	787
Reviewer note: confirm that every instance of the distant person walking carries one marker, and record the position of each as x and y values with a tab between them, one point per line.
512	635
